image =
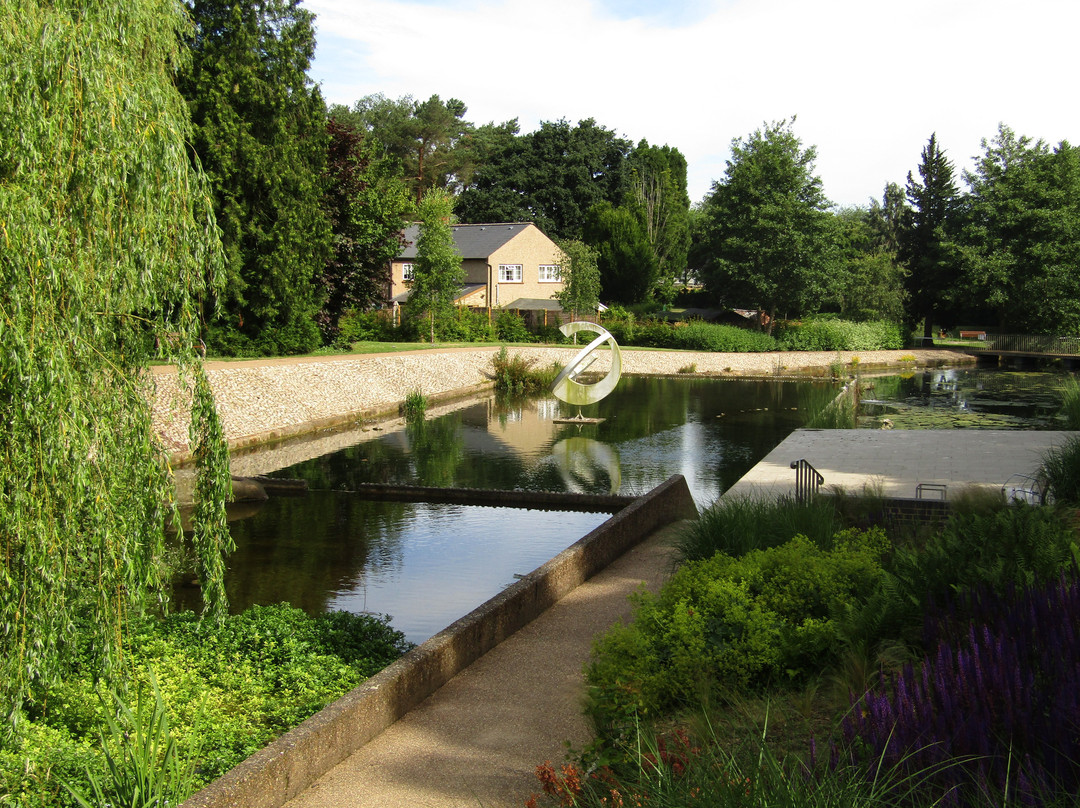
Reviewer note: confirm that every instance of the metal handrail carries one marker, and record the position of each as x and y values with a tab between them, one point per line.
1028	344
808	480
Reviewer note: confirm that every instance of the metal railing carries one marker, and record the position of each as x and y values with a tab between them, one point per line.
1028	344
807	480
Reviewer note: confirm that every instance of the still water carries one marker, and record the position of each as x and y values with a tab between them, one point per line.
427	565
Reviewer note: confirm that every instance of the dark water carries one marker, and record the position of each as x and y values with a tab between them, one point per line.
427	565
963	398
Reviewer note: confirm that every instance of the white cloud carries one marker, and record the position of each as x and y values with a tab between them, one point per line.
868	80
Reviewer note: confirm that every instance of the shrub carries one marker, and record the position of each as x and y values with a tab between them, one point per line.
414	406
515	374
733	624
366	326
830	334
510	327
698	335
1070	402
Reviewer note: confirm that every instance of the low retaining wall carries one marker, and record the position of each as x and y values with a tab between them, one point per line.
289	765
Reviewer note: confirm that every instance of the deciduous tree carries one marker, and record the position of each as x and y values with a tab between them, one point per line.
580	276
107	245
769	236
437	274
367	203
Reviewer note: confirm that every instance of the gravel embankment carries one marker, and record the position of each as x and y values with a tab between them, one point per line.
263	400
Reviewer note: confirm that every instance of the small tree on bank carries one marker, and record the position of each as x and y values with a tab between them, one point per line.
580	276
438	275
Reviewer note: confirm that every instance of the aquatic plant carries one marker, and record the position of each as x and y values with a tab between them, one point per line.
415	406
1070	402
516	374
1061	468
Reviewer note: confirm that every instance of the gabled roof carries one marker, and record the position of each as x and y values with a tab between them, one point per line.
474	241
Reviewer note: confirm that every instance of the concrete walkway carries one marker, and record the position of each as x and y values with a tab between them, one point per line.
900	459
478	740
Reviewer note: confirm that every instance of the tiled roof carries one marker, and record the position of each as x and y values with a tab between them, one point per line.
465	291
474	241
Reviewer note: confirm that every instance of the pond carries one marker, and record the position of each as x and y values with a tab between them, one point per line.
427	565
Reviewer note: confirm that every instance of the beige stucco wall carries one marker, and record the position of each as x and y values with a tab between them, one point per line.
530	248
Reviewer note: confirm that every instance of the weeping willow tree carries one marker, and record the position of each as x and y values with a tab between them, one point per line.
107	245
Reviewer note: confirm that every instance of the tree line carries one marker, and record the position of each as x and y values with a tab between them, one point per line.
310	202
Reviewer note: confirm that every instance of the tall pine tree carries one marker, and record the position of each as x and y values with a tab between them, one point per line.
260	133
927	246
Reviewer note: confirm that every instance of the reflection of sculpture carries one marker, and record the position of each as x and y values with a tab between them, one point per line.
567	388
582	460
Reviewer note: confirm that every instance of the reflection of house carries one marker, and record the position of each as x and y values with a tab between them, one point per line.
512	266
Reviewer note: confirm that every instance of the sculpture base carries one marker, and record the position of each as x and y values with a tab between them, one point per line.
578	419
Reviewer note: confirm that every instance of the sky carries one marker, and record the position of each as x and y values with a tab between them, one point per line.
867	81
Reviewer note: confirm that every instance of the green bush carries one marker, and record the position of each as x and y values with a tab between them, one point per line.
829	334
1070	402
366	326
698	335
516	374
732	624
510	327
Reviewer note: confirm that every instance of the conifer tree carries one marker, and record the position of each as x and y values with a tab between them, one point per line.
260	133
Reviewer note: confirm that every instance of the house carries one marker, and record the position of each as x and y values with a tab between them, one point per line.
510	266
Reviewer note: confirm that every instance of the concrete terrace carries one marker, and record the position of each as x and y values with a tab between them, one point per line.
899	460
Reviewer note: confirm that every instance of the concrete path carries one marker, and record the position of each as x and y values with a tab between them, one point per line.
478	740
900	459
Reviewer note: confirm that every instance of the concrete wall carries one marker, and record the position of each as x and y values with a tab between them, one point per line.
289	765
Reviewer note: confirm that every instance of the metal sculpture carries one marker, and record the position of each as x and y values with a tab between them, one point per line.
567	388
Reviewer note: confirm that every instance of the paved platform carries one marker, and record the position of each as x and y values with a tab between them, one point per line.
479	738
900	459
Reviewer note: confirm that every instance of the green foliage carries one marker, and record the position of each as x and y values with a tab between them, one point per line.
551	176
457	324
516	374
260	133
366	326
414	406
1061	467
144	769
726	623
1020	235
228	690
698	335
366	203
657	179
107	244
927	245
510	327
580	276
737	525
627	264
1007	547
769	237
438	274
1070	402
830	334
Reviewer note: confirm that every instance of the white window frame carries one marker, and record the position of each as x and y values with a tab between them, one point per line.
549	273
407	272
511	273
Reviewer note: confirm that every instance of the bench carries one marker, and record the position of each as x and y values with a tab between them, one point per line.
973	335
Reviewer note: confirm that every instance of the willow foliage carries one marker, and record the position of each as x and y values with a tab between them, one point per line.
107	245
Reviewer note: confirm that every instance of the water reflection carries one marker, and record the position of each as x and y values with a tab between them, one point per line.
427	565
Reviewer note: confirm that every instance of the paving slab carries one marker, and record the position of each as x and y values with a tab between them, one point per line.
478	739
898	460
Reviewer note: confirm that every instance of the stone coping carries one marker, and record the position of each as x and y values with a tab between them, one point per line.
290	764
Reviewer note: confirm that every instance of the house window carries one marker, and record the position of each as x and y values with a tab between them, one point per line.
549	273
509	273
406	272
